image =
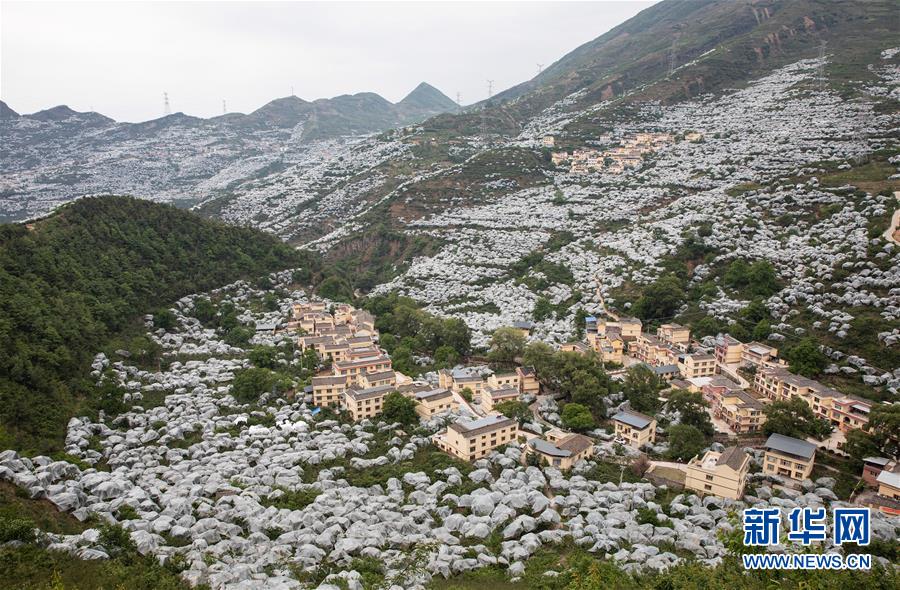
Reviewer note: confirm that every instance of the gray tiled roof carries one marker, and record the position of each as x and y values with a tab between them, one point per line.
634	419
791	446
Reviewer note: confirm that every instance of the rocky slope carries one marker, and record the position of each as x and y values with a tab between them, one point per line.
54	155
244	495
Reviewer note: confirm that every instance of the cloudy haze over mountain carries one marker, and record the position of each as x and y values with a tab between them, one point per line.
118	59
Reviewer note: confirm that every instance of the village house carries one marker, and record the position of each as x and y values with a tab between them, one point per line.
675	335
490	397
366	403
789	457
739	410
889	481
559	449
756	354
634	428
844	411
577	346
471	440
456	380
524	327
328	390
610	346
371	364
653	351
696	365
719	474
435	401
367	380
872	468
728	350
849	412
528	381
559	158
548	141
629	327
502	380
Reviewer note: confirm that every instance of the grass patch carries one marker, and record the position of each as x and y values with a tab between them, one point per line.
15	504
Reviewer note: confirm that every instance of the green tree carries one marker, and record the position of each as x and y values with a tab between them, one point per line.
884	421
264	356
238	336
685	442
806	358
762	280
165	319
577	417
543	309
204	310
642	388
399	408
506	345
445	357
467	394
859	445
794	418
660	299
516	410
250	384
762	330
692	408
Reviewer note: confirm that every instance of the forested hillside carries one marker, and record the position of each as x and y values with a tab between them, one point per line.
70	282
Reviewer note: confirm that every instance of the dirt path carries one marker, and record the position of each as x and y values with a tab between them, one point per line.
893	231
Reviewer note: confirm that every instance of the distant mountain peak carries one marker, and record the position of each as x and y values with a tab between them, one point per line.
7	113
427	97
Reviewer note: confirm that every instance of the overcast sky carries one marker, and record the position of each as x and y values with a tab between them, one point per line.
119	58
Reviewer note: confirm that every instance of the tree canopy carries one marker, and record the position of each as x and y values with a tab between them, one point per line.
642	388
577	417
794	418
685	442
399	408
60	304
507	344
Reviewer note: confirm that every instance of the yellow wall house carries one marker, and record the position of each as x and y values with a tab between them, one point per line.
720	474
528	381
675	334
490	397
696	365
470	440
789	457
366	403
561	449
637	429
456	381
501	380
329	390
435	401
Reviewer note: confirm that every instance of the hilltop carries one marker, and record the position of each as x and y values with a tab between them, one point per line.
81	278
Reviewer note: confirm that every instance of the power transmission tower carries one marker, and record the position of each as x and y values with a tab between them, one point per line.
490	84
224	110
292	91
458	103
540	68
167	110
672	56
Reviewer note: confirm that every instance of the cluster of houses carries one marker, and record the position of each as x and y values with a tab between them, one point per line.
361	376
629	155
737	380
